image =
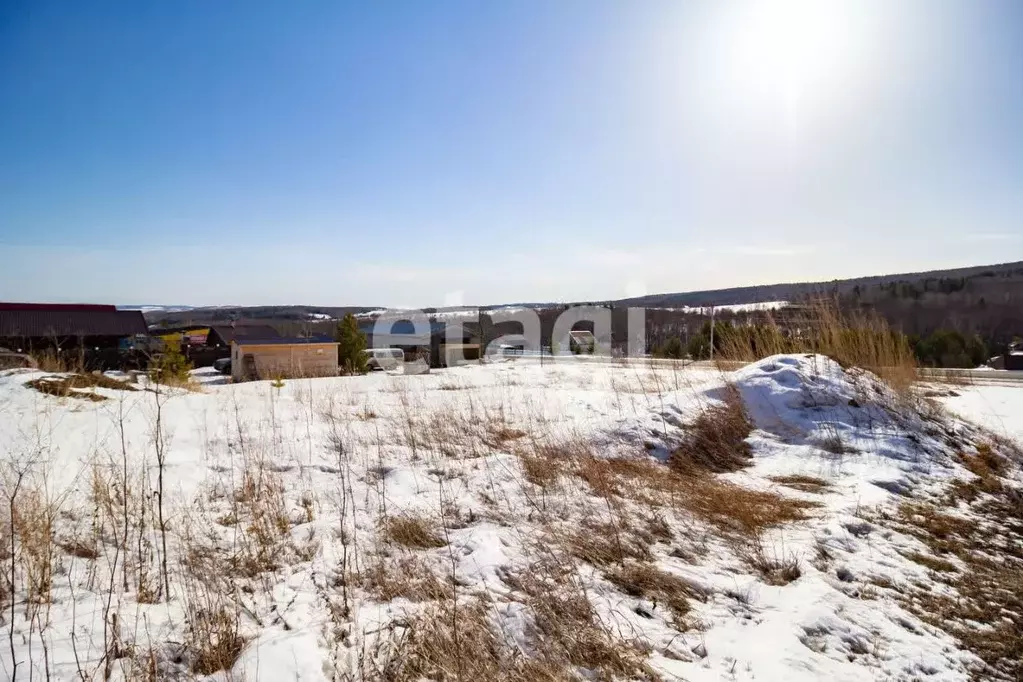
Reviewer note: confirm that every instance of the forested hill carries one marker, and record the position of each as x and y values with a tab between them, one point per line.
986	280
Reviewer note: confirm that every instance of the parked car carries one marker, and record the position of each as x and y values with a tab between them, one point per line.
223	365
505	351
384	358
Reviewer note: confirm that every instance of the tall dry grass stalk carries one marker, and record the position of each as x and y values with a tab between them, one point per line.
852	338
60	362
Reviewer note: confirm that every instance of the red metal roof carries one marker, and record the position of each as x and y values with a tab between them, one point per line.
27	320
57	307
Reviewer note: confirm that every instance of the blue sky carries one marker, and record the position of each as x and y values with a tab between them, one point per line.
412	153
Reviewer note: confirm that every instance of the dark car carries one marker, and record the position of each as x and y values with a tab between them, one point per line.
223	365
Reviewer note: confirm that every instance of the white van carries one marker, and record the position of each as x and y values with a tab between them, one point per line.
384	358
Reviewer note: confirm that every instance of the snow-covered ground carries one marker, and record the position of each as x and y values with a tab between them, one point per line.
317	520
999	408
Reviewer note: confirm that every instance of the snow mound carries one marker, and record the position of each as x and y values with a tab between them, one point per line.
847	416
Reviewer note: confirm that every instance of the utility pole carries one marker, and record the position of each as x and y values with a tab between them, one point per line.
541	340
712	333
483	338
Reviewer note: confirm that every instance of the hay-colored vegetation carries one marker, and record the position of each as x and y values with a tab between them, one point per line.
407	577
411	531
729	507
75	385
649	582
716	440
853	338
972	537
802	483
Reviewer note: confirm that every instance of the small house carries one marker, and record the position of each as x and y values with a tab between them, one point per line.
1014	357
280	358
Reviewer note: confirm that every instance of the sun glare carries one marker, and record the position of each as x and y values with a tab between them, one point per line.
800	58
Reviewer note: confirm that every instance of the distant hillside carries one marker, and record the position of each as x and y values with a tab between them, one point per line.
794	291
985	300
179	316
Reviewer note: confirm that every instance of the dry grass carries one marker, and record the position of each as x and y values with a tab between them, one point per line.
72	385
602	543
729	507
411	531
933	563
81	548
447	641
806	484
366	414
649	582
603	476
458	641
261	540
260	506
989	467
51	361
541	471
214	635
187	383
981	603
565	632
500	434
408	577
716	440
452	430
852	338
33	522
733	508
123	517
943	532
773	567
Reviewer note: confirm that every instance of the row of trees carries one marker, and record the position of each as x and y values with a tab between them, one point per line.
949	348
698	345
942	348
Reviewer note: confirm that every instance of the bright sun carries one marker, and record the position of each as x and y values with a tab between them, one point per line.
799	58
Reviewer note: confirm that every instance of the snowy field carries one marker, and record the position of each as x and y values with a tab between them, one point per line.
999	408
505	521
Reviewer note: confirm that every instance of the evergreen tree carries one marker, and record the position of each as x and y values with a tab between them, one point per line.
171	366
673	349
699	346
977	350
351	344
